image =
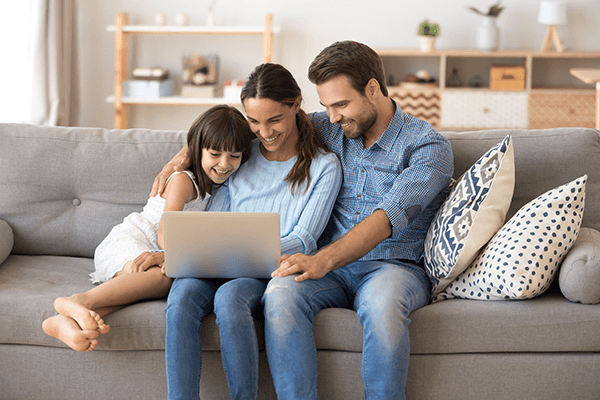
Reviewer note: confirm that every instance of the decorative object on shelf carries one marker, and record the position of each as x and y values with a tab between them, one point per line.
182	19
488	34
552	13
427	33
200	70
454	80
160	19
233	89
476	81
207	91
150	74
210	18
504	77
148	89
420	77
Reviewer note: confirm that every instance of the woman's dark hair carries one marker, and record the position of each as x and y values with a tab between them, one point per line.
221	128
357	61
274	82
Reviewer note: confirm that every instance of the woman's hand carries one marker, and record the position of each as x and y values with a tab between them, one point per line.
178	163
146	260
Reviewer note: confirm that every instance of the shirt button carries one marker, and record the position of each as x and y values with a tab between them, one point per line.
358	196
76	202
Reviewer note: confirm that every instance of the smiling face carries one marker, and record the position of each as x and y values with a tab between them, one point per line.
346	107
219	165
274	124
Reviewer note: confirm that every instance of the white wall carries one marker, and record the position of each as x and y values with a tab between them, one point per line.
306	27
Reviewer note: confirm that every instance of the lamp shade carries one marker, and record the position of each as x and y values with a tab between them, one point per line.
552	13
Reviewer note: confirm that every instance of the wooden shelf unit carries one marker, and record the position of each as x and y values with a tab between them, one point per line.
541	100
123	30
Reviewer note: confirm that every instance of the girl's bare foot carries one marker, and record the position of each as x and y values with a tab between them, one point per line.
67	331
87	319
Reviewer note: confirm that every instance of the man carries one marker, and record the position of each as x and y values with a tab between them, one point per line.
396	172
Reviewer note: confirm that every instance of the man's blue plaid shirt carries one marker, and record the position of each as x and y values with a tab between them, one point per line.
406	173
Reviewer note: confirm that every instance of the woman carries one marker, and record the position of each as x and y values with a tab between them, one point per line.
289	172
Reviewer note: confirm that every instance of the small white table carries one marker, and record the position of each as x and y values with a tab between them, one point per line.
590	75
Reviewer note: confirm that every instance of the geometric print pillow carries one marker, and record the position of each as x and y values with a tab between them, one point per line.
473	212
522	259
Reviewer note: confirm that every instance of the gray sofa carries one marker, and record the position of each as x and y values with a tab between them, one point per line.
62	189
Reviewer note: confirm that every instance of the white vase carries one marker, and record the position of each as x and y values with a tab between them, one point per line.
427	43
488	35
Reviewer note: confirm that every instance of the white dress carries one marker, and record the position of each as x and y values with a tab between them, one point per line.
135	235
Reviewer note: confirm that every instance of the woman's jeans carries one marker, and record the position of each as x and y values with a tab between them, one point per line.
237	302
383	293
189	301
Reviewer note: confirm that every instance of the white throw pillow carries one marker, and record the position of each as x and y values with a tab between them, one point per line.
522	259
473	212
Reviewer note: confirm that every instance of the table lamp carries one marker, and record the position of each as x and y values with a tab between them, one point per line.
552	13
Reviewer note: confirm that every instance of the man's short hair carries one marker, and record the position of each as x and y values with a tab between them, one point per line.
357	61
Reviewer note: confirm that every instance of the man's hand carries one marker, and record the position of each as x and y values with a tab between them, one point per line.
178	163
147	260
309	267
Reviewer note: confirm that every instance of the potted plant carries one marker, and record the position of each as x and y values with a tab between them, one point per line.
427	33
487	34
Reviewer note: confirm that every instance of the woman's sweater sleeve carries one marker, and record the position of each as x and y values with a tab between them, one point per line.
326	180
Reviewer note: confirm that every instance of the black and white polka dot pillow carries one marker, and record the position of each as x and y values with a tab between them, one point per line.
522	259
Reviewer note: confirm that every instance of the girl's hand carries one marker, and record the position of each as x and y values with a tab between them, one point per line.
147	260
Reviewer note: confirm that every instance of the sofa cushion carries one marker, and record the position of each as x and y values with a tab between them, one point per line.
579	277
522	259
6	240
546	324
473	212
64	188
538	152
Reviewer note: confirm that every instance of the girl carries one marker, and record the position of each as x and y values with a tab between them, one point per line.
290	172
128	262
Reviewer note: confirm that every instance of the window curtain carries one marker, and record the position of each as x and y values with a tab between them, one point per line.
54	84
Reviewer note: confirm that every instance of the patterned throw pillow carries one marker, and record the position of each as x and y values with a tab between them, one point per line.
473	212
522	259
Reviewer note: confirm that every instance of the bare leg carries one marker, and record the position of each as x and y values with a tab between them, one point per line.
125	288
66	330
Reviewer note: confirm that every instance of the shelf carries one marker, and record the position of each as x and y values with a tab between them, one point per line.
190	30
122	33
177	101
480	54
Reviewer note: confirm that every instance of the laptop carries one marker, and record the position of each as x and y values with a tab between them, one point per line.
204	244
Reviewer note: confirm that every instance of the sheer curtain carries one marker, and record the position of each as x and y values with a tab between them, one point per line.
45	82
53	53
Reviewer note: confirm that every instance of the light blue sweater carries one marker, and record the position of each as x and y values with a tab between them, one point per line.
259	186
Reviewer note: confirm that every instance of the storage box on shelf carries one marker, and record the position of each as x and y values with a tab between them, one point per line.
123	31
546	96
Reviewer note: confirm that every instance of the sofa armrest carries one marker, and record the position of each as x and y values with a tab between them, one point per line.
6	240
579	278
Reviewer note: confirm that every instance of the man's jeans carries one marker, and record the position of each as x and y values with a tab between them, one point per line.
189	301
383	293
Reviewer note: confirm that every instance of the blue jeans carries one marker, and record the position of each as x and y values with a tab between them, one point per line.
237	302
383	293
189	301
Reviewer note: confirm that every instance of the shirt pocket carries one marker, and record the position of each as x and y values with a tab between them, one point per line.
384	178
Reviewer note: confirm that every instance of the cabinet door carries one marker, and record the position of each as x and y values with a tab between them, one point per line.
483	109
560	109
418	100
